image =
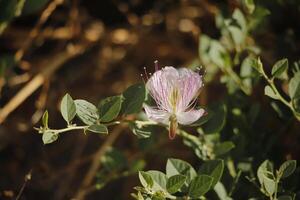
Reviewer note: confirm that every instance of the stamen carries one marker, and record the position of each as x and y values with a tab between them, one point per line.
143	79
156	65
145	70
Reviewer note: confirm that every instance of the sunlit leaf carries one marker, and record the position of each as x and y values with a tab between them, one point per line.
49	137
294	86
159	180
87	112
67	108
145	179
270	92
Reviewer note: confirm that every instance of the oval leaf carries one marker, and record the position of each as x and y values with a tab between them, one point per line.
213	168
109	108
294	86
199	186
87	112
134	99
145	179
159	180
280	67
287	168
270	92
175	182
98	128
49	137
67	108
177	166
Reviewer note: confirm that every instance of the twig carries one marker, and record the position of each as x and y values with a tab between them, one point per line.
36	29
87	180
27	178
52	65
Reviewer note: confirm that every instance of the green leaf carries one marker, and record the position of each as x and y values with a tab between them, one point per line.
218	54
266	177
285	197
294	86
237	35
45	119
87	112
140	196
218	119
177	166
249	5
280	67
67	108
98	128
109	108
270	92
239	17
49	137
265	170
174	183
159	180
134	98
270	186
221	191
145	179
246	71
287	168
213	168
223	148
199	186
258	66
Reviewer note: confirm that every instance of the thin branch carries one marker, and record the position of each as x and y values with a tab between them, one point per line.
26	179
87	180
50	67
36	29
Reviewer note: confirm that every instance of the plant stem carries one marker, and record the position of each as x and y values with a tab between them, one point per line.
279	96
236	79
70	128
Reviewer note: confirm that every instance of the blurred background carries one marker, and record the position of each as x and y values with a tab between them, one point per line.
94	49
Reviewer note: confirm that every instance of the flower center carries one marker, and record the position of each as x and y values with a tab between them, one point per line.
174	99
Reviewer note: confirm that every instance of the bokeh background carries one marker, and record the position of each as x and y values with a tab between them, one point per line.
93	49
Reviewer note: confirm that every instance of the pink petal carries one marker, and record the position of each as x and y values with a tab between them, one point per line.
189	117
159	116
189	84
161	84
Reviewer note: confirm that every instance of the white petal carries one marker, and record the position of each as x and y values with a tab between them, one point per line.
189	85
189	117
159	116
161	84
